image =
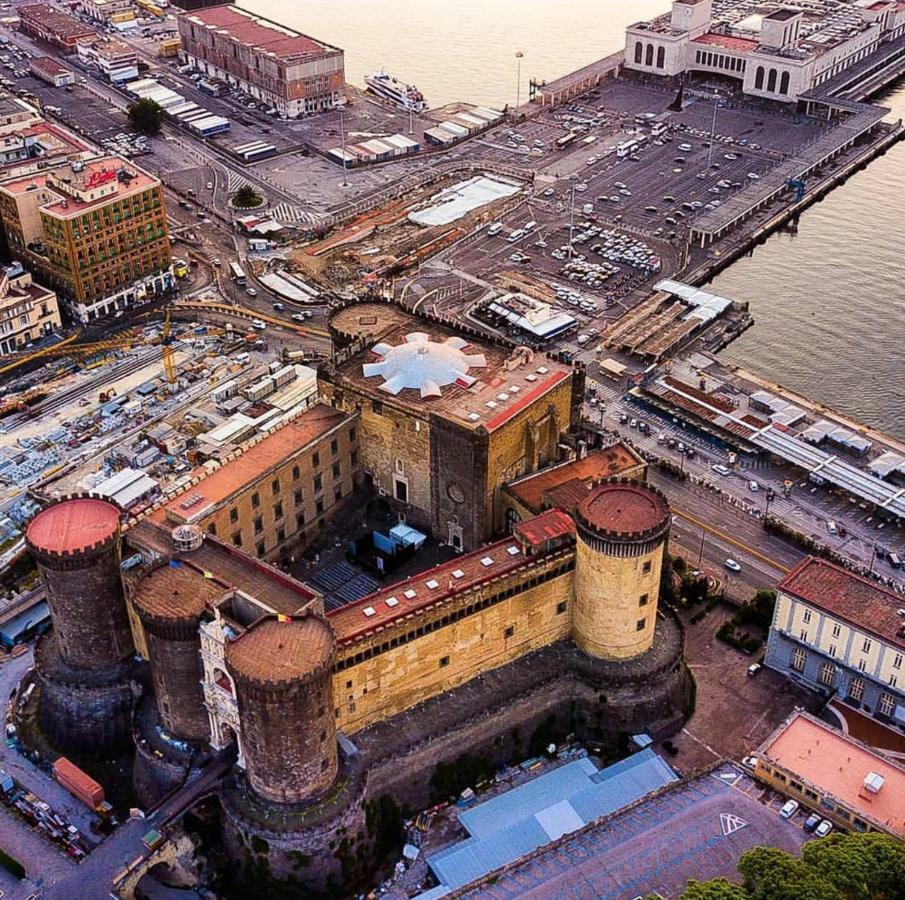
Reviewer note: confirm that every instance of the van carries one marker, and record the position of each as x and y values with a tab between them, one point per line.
529	226
495	228
243	358
894	561
515	235
831	528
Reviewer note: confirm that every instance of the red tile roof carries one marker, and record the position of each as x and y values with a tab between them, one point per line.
428	588
249	467
548	526
624	508
849	597
743	45
596	466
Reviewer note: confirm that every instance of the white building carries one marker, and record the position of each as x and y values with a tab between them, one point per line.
117	61
778	52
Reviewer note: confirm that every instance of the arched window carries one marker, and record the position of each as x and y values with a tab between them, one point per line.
771	81
639	51
784	83
661	57
759	78
649	56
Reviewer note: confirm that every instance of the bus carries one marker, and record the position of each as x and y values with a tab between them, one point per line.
236	273
626	149
562	142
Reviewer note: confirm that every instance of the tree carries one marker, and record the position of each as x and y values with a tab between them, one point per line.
146	116
715	889
772	874
246	197
862	866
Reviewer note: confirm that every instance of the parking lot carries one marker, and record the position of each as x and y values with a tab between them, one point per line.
696	829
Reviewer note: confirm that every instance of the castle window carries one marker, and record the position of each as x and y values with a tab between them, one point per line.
509	632
334	446
275	486
648	565
316	460
336	470
560	607
278	510
318	483
639	625
255	500
296	473
234	515
348	685
402	491
644	600
444	661
259	525
237	539
298	497
212	529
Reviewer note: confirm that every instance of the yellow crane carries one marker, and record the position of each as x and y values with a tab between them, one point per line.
166	352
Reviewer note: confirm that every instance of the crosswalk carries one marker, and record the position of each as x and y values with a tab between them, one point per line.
236	181
288	214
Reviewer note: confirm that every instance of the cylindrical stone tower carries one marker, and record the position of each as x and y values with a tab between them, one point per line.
169	601
623	527
283	673
76	542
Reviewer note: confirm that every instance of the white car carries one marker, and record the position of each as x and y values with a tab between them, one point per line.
258	324
252	292
210	185
754	176
789	808
298	317
824	828
750	762
732	565
720	469
753	486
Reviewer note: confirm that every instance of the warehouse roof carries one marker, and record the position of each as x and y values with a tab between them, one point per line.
849	597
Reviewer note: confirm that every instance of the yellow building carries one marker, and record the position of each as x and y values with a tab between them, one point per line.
96	230
27	310
447	418
276	496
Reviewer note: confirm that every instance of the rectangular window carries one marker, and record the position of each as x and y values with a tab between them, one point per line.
259	525
318	483
861	665
316	460
560	607
444	661
255	500
803	634
855	689
275	486
837	628
806	617
644	600
334	446
897	661
509	632
260	548
237	539
296	473
353	458
648	565
866	645
281	535
832	649
298	497
352	435
827	674
886	704
798	659
278	510
319	507
402	491
234	515
639	625
336	470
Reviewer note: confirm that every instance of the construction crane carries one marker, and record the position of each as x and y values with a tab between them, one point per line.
166	352
797	185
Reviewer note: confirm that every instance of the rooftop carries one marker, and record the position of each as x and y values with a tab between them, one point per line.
175	591
58	23
249	467
838	765
228	567
849	597
49	65
487	396
261	34
275	652
623	507
73	525
418	593
533	490
549	526
76	187
713	39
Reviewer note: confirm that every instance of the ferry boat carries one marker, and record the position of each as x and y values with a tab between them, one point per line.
406	96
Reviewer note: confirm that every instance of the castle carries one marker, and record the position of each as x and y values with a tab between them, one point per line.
556	620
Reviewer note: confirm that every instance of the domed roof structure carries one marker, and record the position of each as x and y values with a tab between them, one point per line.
424	365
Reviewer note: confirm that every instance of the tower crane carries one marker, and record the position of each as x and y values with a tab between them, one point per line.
166	352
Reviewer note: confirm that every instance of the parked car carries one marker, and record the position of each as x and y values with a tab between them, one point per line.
789	808
750	762
824	828
812	821
721	469
754	668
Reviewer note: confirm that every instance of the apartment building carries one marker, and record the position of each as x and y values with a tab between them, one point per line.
116	61
96	231
838	633
27	310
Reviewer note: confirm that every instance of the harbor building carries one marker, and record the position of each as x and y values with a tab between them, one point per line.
842	635
116	60
28	311
59	29
832	773
447	418
96	231
289	71
774	51
29	143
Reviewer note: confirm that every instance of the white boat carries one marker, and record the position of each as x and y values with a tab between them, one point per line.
388	88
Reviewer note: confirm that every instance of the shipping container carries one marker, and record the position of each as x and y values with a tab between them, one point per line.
81	785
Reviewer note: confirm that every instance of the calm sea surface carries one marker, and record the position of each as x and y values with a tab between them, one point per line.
829	302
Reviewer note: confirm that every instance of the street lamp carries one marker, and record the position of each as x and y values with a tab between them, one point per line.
518	81
716	103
